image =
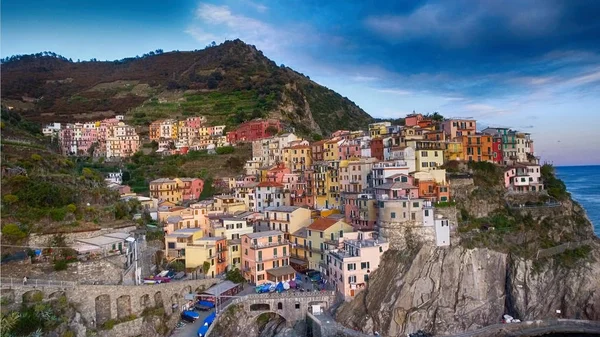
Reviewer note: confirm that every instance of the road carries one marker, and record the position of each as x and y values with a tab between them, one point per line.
191	329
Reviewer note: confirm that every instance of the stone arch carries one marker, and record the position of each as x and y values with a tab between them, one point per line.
103	313
158	300
145	302
280	306
265	317
260	307
175	299
33	296
186	290
57	294
123	306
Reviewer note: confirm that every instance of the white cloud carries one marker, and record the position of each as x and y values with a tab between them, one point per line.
361	78
220	21
258	6
400	92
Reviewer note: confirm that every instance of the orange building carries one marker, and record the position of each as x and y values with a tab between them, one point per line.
266	258
433	191
477	147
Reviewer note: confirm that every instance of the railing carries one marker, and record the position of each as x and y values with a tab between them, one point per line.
34	283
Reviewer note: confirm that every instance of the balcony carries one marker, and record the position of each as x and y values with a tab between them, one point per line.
270	244
274	257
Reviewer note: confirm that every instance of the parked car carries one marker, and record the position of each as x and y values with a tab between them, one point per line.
190	316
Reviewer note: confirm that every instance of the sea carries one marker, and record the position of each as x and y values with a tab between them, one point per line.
583	182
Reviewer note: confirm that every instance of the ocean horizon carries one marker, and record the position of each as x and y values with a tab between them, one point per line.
583	182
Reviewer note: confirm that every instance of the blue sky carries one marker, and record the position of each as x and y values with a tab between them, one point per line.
533	65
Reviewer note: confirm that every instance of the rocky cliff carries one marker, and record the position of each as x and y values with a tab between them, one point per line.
456	289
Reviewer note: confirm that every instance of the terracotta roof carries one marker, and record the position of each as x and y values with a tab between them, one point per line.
300	146
322	224
269	184
320	142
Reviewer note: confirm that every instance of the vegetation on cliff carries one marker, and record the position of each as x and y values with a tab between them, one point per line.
229	83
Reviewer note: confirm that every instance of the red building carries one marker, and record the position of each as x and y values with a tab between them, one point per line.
377	148
253	130
497	151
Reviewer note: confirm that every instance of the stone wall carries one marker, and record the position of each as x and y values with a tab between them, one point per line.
42	239
403	234
99	303
125	329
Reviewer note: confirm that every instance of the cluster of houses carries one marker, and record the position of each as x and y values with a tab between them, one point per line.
108	138
180	136
334	205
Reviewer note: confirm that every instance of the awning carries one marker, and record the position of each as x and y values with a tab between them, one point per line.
281	271
220	288
298	261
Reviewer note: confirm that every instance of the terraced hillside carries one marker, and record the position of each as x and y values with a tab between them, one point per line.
230	83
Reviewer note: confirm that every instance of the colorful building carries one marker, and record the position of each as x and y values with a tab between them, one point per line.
523	177
321	231
476	147
459	127
176	190
254	130
349	265
207	249
270	194
298	157
265	258
287	219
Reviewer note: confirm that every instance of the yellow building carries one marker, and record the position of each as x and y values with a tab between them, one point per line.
379	129
333	186
166	189
298	158
299	249
177	241
288	219
454	151
331	150
429	159
320	185
229	204
207	249
321	231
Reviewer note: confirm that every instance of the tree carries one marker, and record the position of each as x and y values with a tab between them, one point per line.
205	267
235	276
271	130
178	266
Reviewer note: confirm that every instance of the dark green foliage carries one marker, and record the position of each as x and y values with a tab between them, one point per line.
208	191
177	266
58	214
225	150
36	192
486	174
235	276
60	265
554	186
13	233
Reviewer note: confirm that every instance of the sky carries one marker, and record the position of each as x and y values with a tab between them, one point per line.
533	65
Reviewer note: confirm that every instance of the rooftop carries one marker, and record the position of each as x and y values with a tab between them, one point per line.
264	234
322	224
269	184
302	232
281	271
284	209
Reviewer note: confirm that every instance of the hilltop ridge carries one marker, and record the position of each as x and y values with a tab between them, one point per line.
229	83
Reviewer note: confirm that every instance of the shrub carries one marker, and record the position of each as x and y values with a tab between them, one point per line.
108	325
36	157
60	265
58	214
37	297
10	199
13	232
71	208
68	333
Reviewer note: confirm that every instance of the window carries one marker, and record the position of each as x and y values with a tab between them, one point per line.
426	212
260	277
424	164
246	251
415	204
423	153
171	245
279	306
364	265
297	306
351	266
274	251
260	255
270	239
380	249
366	277
309	233
284	251
352	279
321	235
393	215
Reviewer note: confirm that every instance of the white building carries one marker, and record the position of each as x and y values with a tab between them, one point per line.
115	177
270	194
442	231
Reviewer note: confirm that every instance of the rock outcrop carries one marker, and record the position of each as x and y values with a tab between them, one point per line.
455	289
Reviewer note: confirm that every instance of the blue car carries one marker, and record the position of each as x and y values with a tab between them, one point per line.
189	316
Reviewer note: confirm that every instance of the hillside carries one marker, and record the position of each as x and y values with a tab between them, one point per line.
229	83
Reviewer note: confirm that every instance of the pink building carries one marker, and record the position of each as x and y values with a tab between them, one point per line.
523	177
192	187
397	186
300	187
349	149
350	263
360	210
194	122
459	127
266	258
276	173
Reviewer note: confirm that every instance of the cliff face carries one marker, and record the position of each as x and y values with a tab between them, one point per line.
456	289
